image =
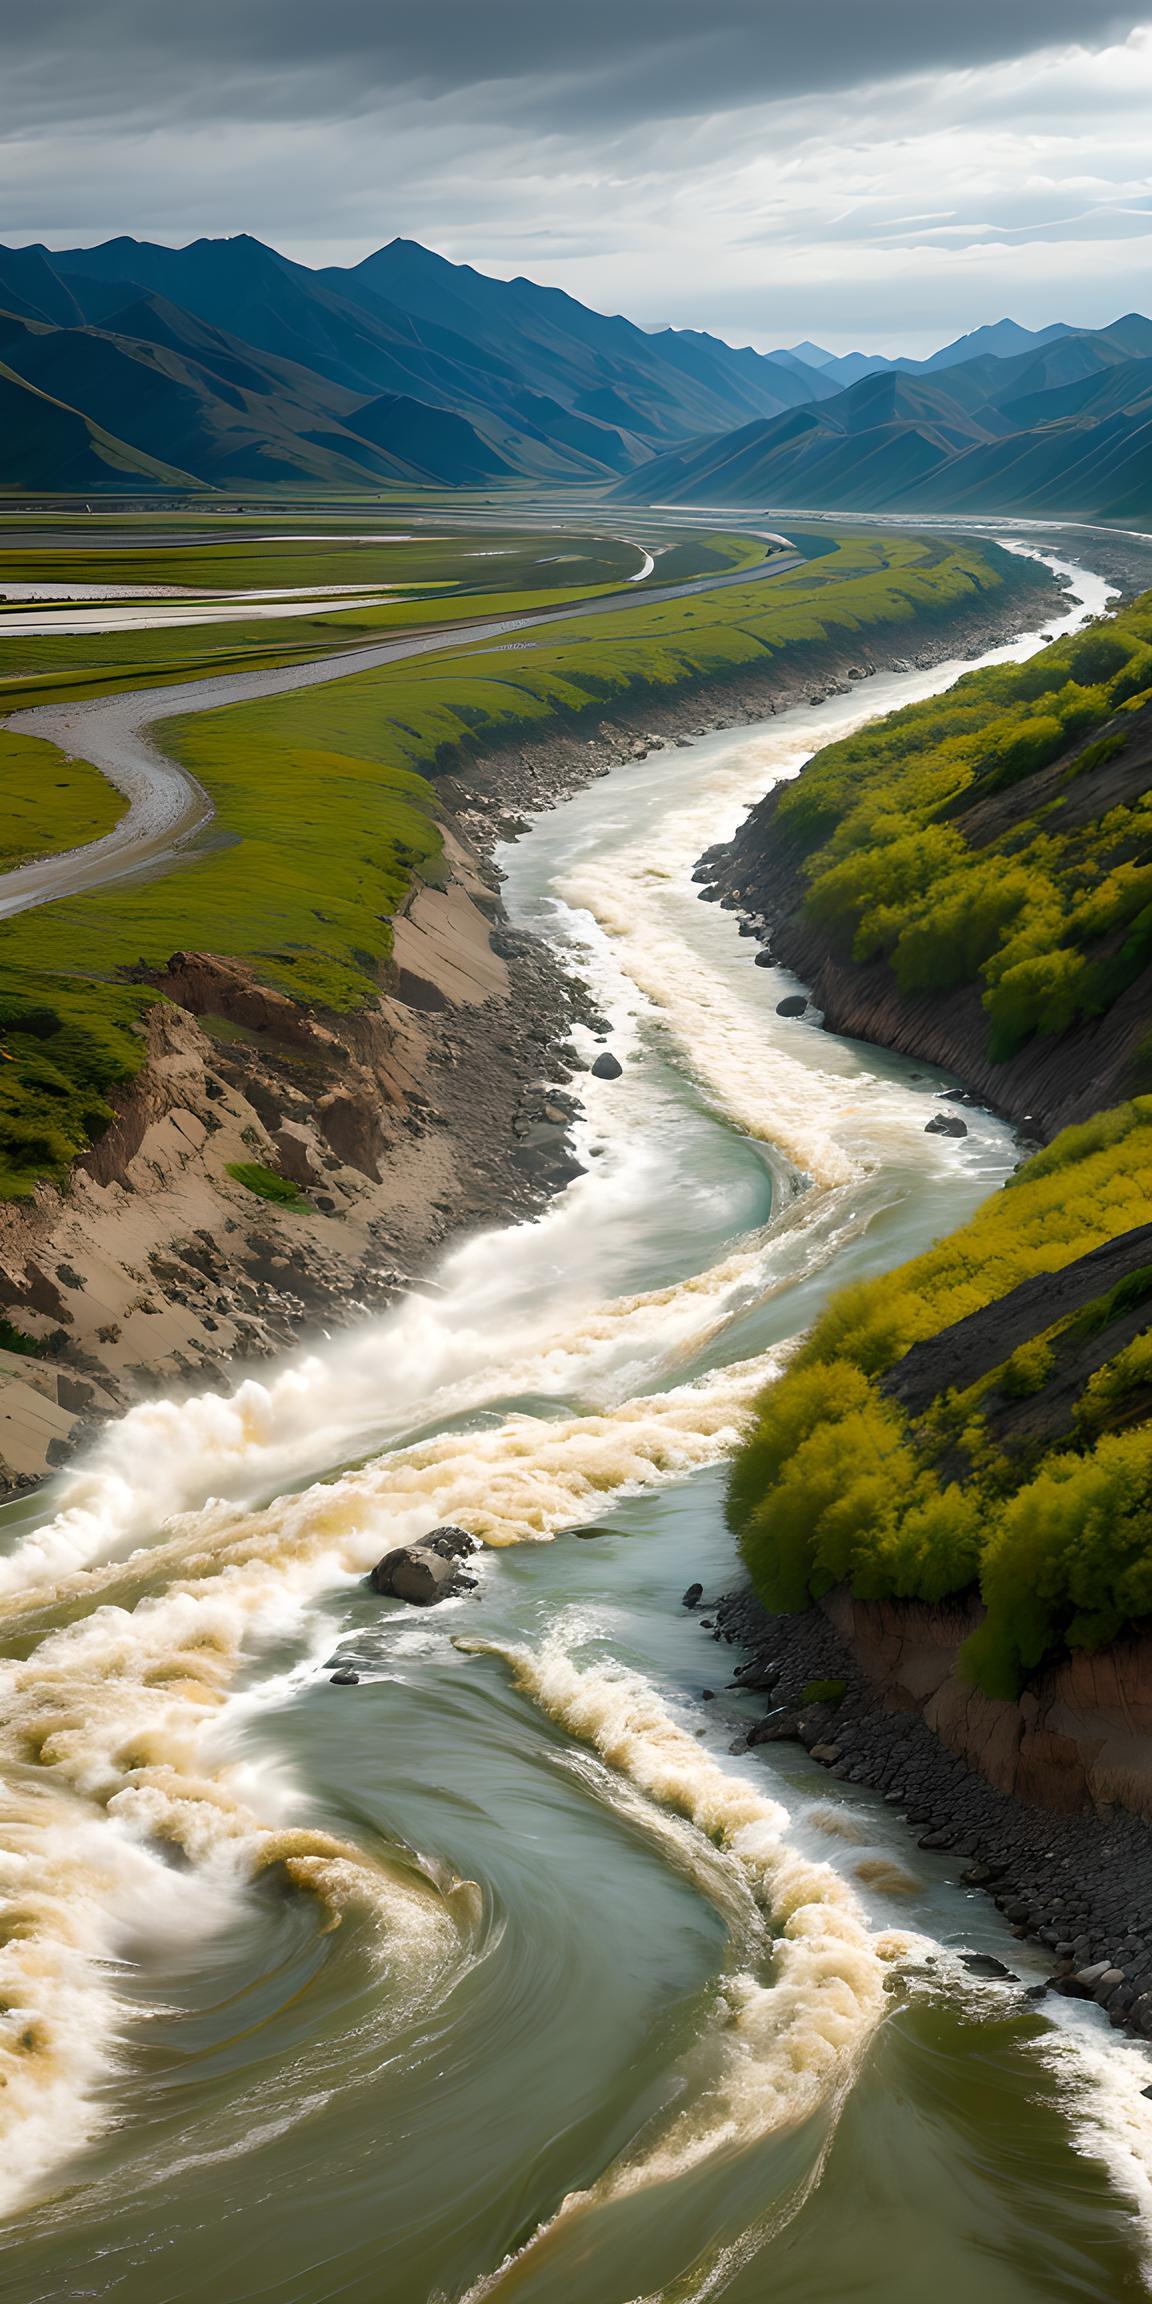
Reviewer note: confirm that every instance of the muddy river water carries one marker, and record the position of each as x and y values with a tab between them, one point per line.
500	1974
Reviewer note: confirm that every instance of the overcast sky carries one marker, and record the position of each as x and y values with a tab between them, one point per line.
882	173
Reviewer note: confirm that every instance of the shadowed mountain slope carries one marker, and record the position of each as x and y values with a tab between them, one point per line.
236	365
1063	427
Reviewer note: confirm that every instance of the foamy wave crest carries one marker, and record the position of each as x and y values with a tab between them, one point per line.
424	1362
112	1746
777	2051
1104	2082
780	2049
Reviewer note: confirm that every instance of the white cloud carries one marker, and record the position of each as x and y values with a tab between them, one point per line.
891	216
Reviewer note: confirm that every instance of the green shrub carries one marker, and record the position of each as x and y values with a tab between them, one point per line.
266	1184
824	1692
1049	916
1028	1370
836	1485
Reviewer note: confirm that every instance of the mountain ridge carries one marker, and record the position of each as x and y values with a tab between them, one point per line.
224	363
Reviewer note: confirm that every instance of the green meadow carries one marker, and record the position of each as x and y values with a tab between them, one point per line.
483	561
47	802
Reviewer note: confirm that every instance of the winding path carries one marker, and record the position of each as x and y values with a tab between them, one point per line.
167	806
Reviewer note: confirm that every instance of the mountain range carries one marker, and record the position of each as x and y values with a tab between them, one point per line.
225	365
1063	425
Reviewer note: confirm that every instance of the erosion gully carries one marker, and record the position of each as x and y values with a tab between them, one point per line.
506	1972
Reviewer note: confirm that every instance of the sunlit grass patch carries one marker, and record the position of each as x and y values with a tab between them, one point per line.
266	1184
48	802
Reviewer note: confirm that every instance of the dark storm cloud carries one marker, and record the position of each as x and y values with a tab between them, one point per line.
558	63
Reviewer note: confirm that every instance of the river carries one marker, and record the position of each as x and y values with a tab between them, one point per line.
501	1974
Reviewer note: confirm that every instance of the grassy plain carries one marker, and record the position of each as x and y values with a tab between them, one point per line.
484	560
475	582
47	802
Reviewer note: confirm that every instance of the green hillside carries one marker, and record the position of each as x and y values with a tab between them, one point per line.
189	395
46	444
1064	427
258	367
969	1421
999	836
1019	1460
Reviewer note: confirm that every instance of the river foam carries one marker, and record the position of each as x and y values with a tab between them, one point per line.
115	1743
804	1991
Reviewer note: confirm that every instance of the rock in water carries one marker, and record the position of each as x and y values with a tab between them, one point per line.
345	1677
763	958
607	1067
428	1570
986	1964
946	1124
451	1543
420	1577
794	1005
693	1596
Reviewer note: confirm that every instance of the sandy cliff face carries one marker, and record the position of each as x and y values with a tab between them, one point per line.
1079	1738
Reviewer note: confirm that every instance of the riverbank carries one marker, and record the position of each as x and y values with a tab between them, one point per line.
928	880
1077	1882
440	1109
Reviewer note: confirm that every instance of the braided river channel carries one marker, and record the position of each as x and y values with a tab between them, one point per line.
501	1974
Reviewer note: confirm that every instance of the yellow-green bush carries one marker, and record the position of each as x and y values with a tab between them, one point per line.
836	1485
1052	919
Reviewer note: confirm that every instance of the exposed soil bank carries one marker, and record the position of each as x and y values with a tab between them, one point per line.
442	1108
1049	1084
436	1111
1021	1791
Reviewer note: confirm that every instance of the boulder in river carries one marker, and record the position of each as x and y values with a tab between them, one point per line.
794	1005
693	1596
607	1067
345	1677
946	1124
763	958
428	1570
